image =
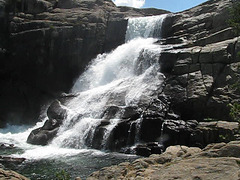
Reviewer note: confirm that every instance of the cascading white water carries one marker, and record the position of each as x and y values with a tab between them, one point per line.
119	78
144	27
127	76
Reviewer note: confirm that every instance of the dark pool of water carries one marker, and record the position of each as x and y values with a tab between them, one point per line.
80	165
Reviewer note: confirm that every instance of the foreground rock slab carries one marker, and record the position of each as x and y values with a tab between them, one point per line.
216	161
4	174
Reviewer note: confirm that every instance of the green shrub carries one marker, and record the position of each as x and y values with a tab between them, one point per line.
234	19
235	111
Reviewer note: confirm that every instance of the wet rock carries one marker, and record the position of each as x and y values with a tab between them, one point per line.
12	160
123	133
110	112
51	124
128	112
97	139
120	136
41	137
8	174
143	150
131	113
155	147
56	111
148	149
6	146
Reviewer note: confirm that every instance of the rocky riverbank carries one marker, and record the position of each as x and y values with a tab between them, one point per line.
216	161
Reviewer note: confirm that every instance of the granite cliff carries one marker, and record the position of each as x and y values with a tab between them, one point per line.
202	67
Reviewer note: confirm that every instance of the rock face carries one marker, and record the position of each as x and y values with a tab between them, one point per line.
46	44
201	65
216	161
11	175
192	133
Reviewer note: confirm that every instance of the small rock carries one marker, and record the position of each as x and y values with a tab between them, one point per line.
6	146
143	150
7	159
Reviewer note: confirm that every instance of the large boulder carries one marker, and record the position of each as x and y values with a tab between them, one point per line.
56	111
43	135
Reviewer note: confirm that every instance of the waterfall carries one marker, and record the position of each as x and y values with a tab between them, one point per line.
129	76
144	27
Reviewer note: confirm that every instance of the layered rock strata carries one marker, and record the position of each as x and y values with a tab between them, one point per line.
202	64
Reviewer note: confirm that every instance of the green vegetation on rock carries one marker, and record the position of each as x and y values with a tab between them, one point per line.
235	111
234	21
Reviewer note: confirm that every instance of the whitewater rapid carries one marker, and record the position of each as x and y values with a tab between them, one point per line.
127	76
